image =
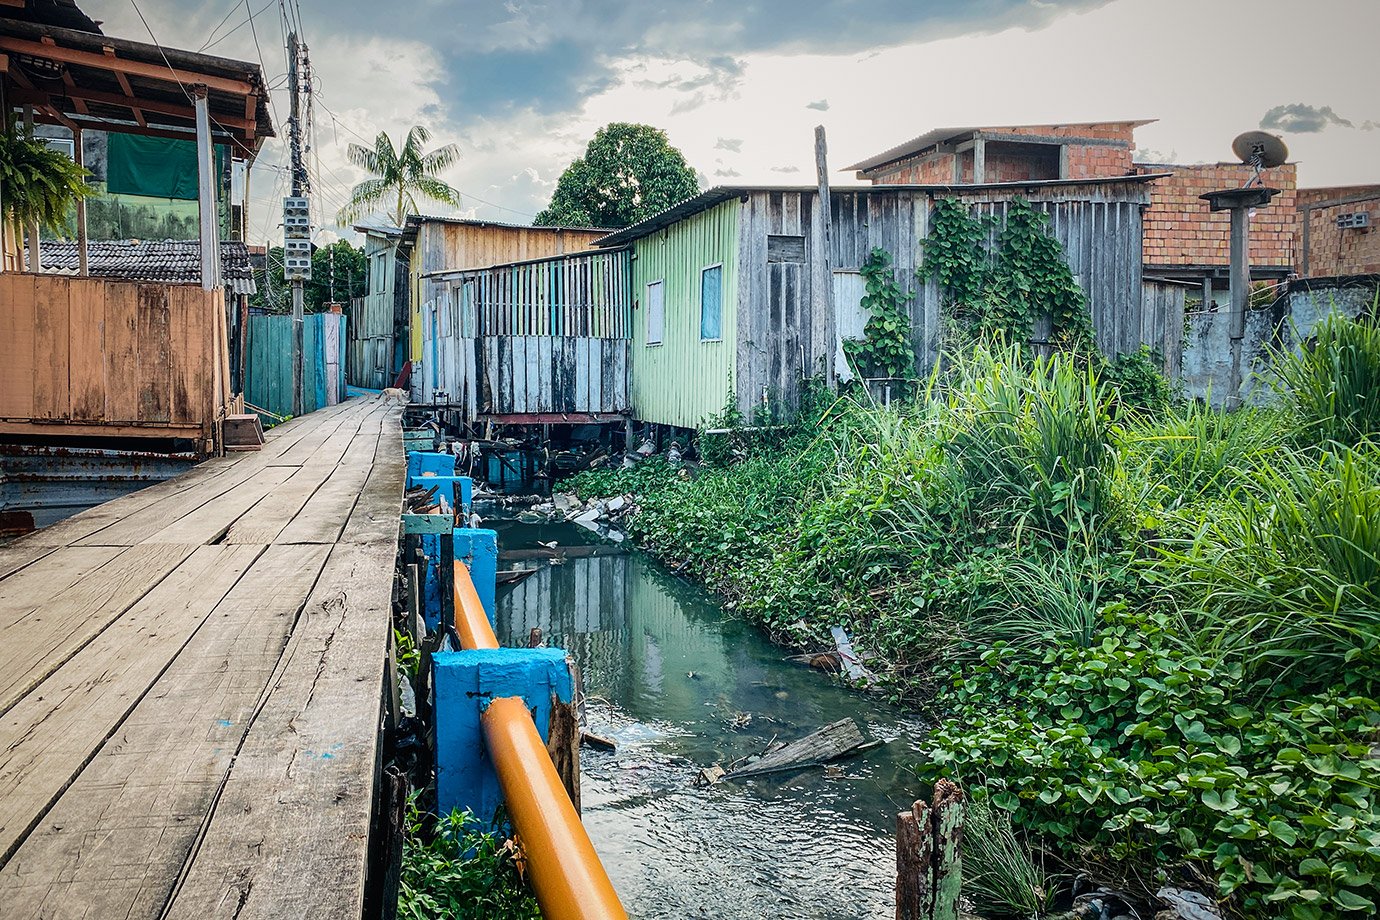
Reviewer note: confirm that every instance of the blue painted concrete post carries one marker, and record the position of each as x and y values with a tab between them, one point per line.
478	548
465	682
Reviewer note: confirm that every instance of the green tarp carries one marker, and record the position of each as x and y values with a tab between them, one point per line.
154	167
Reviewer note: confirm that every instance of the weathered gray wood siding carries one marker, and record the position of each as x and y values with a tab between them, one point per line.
1101	229
373	318
780	337
546	374
1162	322
544	337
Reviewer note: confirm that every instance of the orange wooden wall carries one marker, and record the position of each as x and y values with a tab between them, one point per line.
91	356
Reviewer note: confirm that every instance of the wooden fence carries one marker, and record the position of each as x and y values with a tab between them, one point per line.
268	371
119	359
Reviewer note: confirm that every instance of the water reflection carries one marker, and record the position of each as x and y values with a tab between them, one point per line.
679	685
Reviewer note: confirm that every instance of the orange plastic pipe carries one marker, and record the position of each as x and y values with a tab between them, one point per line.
471	622
569	880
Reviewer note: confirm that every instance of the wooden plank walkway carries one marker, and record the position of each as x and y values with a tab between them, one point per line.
191	682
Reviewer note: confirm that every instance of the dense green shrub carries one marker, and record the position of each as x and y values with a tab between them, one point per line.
1135	750
1160	627
451	869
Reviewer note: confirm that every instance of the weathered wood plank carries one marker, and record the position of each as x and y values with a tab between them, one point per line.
305	772
50	735
122	352
51	344
40	638
375	516
16	345
155	356
115	842
210	521
54	572
323	517
86	356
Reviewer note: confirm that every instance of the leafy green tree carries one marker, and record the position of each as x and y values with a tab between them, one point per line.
628	173
346	261
399	176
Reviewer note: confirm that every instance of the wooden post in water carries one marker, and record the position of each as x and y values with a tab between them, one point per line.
929	865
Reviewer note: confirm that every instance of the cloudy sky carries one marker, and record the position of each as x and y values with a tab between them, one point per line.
739	85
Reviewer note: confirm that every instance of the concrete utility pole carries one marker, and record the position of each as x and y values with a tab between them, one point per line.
298	190
1239	202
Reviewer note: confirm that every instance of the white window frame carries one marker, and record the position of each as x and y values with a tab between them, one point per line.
720	267
660	283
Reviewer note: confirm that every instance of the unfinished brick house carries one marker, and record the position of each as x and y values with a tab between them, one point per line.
1184	241
1336	232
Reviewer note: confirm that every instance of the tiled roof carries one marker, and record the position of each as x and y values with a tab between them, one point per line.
172	261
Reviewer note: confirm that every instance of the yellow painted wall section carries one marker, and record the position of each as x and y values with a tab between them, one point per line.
685	380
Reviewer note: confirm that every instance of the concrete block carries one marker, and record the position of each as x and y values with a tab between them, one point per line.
478	549
465	682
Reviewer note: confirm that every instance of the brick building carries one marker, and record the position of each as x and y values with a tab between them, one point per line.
1336	231
1015	153
1184	240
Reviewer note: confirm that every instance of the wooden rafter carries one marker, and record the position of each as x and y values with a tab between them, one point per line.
72	92
118	65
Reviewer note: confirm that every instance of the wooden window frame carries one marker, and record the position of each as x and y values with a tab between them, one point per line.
720	267
648	327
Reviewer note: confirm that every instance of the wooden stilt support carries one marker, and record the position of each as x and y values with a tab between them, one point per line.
929	867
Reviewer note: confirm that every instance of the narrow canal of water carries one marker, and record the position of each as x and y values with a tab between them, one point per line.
681	685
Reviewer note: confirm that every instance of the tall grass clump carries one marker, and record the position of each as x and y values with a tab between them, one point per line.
999	871
1333	382
1286	571
1033	438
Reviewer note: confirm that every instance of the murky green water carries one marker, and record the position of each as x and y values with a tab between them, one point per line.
681	685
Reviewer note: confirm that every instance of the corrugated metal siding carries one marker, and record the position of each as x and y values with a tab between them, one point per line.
268	371
548	336
684	380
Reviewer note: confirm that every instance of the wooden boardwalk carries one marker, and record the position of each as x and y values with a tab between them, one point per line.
191	679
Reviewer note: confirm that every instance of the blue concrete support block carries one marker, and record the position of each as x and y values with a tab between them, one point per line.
465	682
422	462
478	549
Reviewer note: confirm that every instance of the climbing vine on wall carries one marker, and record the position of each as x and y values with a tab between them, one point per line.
1005	288
885	350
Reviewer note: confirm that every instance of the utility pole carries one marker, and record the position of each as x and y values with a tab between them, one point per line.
292	245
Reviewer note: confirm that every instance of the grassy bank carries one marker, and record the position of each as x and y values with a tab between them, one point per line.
1148	633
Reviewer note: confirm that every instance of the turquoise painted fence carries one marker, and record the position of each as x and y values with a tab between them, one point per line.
268	371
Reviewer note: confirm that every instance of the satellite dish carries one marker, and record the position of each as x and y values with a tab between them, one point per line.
1261	150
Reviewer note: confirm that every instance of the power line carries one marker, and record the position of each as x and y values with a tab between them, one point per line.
228	13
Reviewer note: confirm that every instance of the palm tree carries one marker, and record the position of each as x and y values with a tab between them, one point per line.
398	175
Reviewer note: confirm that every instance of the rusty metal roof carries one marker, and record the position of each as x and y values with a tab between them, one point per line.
169	261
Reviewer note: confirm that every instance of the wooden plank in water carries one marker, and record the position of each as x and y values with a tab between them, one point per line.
289	834
47	737
40	638
116	841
